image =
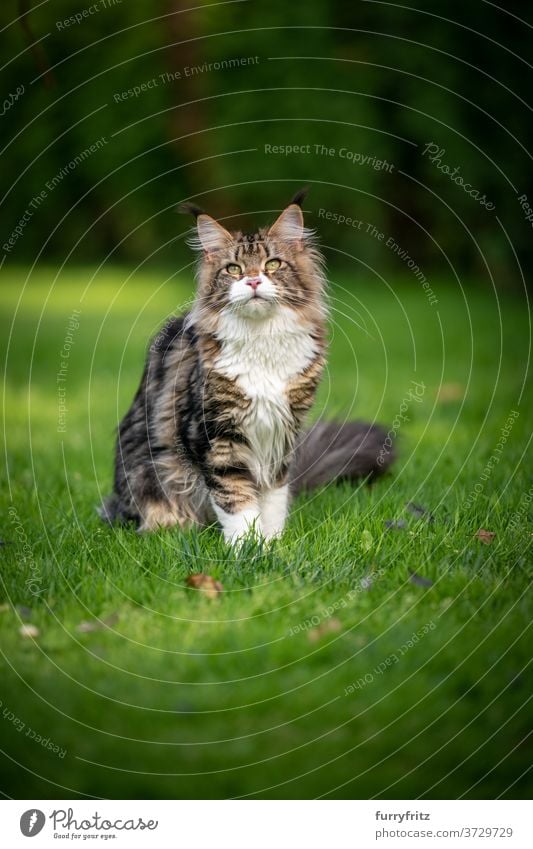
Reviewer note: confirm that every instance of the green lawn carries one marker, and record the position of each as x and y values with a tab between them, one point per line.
303	678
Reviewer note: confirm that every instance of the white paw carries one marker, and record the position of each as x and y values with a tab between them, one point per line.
238	526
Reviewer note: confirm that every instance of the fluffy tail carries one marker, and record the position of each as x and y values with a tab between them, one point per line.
332	451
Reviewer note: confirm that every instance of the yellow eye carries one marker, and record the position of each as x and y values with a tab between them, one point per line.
234	269
272	264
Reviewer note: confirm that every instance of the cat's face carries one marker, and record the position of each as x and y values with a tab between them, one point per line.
254	275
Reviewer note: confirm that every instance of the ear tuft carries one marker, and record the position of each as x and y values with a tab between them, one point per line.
187	208
300	196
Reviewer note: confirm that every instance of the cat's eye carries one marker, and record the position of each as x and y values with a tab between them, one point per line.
234	269
272	264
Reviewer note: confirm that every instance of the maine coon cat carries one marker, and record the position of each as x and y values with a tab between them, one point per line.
215	431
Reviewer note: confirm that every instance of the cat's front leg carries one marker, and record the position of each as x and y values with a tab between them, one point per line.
233	492
274	505
237	525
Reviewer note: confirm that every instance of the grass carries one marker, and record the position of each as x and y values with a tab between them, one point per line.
303	678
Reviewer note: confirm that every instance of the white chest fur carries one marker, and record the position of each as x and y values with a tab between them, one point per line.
262	357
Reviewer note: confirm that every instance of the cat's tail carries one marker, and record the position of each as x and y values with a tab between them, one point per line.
334	451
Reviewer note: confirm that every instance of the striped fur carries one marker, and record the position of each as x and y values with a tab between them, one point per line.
215	429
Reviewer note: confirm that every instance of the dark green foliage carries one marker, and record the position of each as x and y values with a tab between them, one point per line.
371	78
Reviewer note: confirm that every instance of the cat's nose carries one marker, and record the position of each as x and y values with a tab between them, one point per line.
253	282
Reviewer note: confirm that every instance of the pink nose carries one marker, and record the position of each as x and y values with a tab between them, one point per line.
253	282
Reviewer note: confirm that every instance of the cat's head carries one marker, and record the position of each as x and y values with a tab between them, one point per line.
255	275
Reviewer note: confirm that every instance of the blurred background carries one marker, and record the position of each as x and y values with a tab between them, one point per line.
116	111
411	128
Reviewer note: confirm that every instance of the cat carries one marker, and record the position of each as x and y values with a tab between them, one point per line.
215	431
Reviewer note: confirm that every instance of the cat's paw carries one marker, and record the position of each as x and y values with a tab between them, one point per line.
236	527
249	534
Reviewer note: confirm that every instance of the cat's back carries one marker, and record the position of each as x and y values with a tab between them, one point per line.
172	353
172	357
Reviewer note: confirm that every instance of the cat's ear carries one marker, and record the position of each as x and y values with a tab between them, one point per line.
289	226
212	236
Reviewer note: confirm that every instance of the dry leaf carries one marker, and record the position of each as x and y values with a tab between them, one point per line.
450	392
329	626
28	631
205	584
485	536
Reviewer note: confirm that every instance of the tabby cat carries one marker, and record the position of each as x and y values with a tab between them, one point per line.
215	429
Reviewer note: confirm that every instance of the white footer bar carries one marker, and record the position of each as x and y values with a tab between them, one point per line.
266	824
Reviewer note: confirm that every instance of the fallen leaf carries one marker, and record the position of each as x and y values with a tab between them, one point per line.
419	511
329	626
450	392
28	631
419	580
86	627
205	584
395	524
485	536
